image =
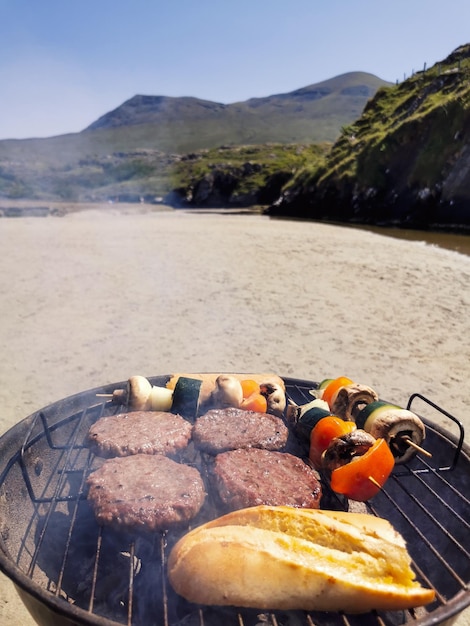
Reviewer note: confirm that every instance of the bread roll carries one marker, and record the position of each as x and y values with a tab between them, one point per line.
283	558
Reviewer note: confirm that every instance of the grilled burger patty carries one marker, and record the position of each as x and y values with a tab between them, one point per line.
145	492
251	476
146	432
227	429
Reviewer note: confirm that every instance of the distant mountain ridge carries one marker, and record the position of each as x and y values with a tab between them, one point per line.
130	151
334	102
141	109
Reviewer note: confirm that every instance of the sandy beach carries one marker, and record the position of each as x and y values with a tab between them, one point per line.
94	297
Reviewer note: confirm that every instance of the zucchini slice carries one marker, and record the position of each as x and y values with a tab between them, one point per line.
186	397
369	410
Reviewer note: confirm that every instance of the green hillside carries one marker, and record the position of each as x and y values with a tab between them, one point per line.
240	175
130	151
404	161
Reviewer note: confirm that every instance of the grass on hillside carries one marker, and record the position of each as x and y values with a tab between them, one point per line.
432	104
253	166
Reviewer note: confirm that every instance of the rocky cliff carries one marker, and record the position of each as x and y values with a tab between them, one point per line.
405	161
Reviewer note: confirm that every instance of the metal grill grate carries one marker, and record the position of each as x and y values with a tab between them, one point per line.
52	546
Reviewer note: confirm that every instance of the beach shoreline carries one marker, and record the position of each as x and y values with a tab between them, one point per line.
101	294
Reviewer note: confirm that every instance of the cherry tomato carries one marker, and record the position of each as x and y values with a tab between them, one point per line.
249	387
327	429
255	402
331	390
362	478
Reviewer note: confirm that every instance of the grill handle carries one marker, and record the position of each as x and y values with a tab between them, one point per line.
448	415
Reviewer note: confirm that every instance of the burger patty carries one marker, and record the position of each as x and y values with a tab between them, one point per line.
145	492
139	432
249	477
227	429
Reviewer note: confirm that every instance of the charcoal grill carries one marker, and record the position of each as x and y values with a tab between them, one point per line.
68	570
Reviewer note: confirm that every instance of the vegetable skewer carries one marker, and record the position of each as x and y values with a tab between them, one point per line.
364	476
402	429
190	395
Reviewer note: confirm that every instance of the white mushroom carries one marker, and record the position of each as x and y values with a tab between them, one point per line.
228	392
351	399
138	393
275	397
403	430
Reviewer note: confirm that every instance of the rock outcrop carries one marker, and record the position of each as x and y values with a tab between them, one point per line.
405	162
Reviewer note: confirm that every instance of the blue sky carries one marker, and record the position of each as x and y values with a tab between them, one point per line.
65	63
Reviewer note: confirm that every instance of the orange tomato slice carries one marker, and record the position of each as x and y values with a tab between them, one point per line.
327	429
362	478
331	390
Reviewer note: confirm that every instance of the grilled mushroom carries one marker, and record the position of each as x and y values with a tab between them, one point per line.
402	429
351	399
228	392
342	450
136	396
275	397
138	393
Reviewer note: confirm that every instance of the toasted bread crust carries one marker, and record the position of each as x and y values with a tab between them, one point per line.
284	558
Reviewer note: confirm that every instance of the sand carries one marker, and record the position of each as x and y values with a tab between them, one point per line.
93	297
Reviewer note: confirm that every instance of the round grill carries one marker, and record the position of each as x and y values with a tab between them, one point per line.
69	570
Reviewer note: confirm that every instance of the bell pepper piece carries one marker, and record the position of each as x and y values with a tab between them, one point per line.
331	390
322	434
255	402
362	478
249	387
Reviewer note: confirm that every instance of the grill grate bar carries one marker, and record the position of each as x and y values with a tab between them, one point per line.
131	583
428	582
441	476
421	535
448	507
55	498
99	543
69	535
164	587
60	464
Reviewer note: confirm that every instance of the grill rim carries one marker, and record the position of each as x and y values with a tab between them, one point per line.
26	587
31	592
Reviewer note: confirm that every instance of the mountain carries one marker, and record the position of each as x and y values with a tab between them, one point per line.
312	114
405	161
131	149
158	110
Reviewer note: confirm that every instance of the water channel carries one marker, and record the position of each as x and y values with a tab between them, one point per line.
450	241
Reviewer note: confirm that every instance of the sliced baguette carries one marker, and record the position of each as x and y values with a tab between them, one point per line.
286	558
